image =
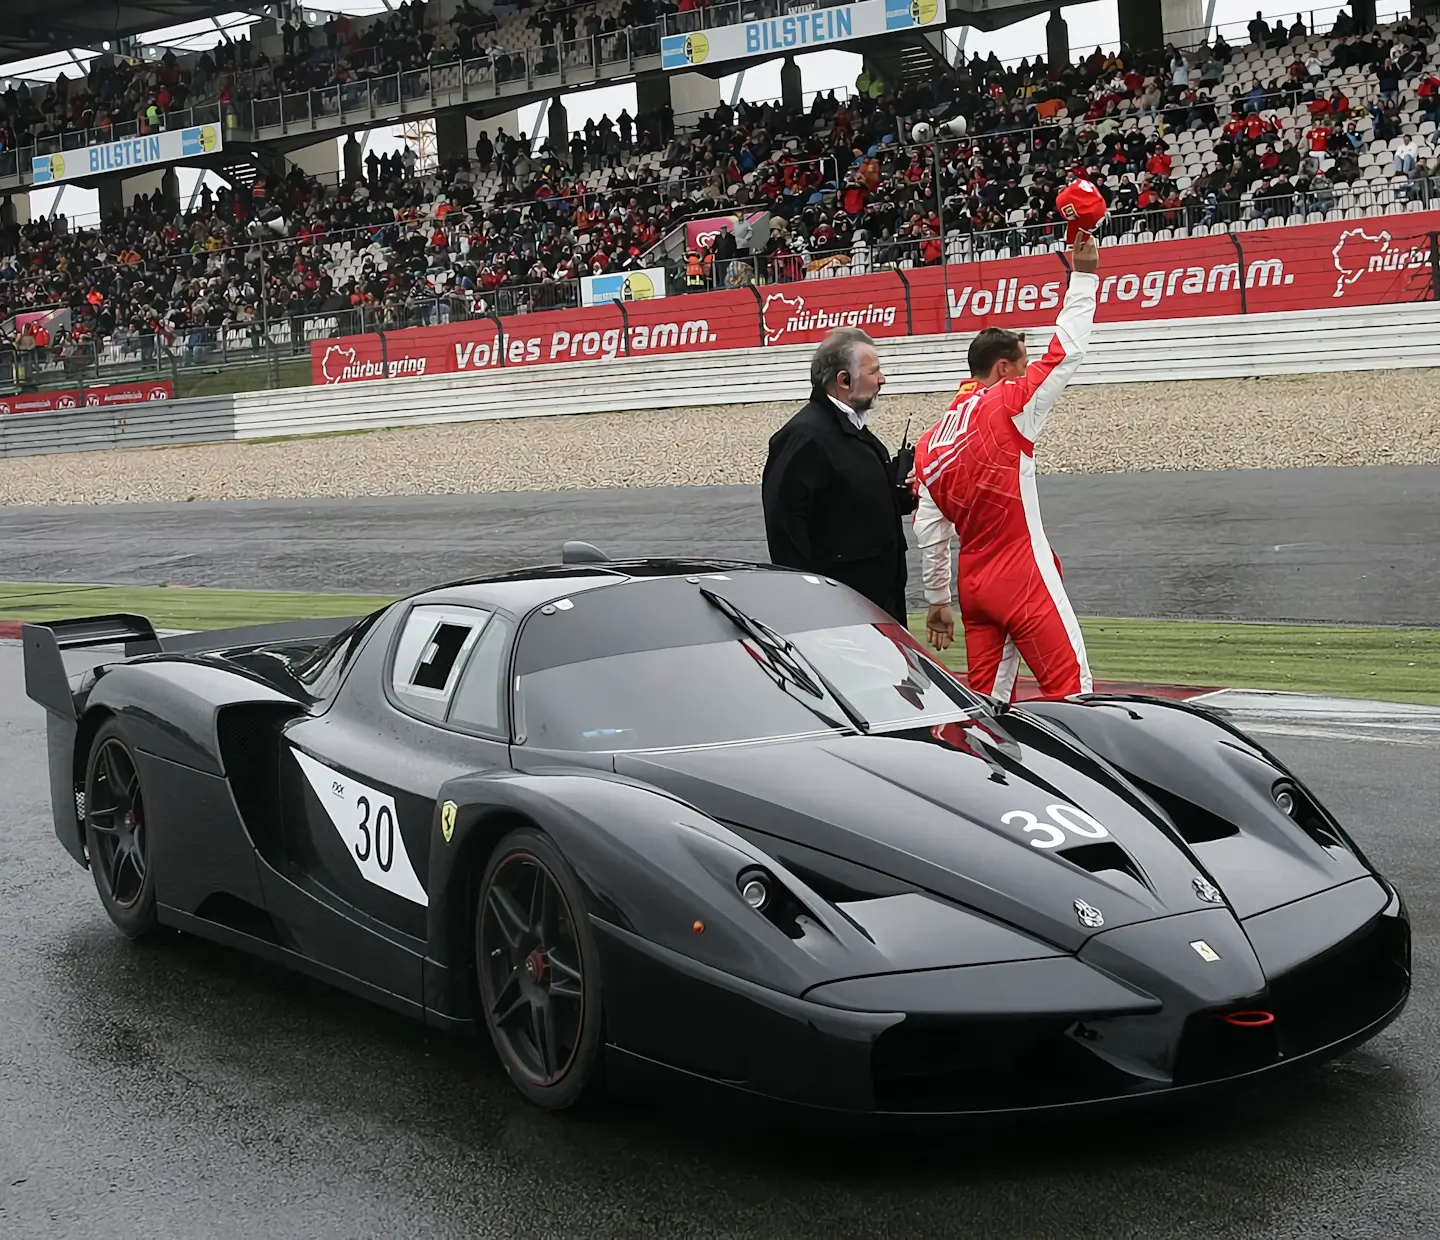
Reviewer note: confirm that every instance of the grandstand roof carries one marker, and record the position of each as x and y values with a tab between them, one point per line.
35	27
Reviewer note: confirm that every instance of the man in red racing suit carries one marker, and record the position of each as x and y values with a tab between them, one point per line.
975	474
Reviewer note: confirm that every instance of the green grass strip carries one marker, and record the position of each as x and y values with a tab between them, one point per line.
1393	665
1398	665
176	607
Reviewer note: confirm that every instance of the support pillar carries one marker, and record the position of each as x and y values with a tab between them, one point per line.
559	129
792	93
1147	25
452	139
353	164
1140	26
1057	40
111	193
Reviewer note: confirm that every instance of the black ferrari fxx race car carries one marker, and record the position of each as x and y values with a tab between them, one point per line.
724	825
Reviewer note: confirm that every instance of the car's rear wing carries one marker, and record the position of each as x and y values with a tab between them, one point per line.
48	683
255	635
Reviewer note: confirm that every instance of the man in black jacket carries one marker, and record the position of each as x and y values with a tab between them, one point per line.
834	498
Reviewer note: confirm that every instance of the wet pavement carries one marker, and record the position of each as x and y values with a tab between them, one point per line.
182	1090
1326	545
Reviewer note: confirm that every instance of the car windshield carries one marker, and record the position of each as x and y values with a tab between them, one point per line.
722	692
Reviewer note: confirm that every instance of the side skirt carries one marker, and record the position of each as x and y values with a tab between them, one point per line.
228	937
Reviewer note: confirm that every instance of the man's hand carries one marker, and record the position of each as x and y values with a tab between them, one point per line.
1086	255
939	625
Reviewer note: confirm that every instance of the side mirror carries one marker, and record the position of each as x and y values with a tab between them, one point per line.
582	553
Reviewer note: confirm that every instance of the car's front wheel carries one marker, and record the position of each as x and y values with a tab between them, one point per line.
539	972
117	833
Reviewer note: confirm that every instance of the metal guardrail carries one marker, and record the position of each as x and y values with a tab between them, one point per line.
1170	350
151	425
1213	347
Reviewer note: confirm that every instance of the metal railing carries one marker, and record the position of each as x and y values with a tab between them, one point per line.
259	110
278	340
533	69
17	160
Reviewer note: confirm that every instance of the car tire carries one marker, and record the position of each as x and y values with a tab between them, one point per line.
537	971
118	839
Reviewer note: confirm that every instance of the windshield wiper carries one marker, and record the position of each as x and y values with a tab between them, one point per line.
785	660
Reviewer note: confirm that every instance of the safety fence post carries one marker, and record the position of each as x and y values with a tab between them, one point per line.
1435	266
1240	270
499	333
909	316
384	350
759	313
625	325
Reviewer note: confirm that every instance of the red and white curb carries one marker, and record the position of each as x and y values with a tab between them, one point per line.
10	632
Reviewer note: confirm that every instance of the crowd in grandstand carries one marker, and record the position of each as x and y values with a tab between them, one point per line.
507	229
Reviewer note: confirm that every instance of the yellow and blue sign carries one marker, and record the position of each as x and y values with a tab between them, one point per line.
141	151
644	285
798	32
902	14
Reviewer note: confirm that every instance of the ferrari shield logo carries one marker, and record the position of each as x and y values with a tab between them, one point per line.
1205	951
447	820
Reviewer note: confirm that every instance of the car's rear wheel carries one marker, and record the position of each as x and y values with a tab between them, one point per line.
538	970
117	833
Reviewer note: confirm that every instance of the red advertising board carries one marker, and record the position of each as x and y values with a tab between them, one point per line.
89	398
1343	263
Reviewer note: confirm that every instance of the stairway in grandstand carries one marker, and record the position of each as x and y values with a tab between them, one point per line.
922	57
907	59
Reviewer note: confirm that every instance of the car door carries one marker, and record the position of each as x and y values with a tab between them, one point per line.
359	786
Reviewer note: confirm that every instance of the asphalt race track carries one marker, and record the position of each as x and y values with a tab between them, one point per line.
1330	545
183	1090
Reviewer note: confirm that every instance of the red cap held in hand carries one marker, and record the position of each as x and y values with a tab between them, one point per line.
1082	206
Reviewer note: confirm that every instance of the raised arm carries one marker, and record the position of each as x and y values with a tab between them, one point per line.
1030	399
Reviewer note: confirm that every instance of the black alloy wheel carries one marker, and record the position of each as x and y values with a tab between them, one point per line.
538	973
117	833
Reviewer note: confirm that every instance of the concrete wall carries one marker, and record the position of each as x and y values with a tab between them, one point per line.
15	209
321	161
690	94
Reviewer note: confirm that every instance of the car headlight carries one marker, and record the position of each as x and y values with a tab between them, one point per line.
754	890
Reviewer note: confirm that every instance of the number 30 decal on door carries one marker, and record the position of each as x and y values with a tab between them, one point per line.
365	819
1073	820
